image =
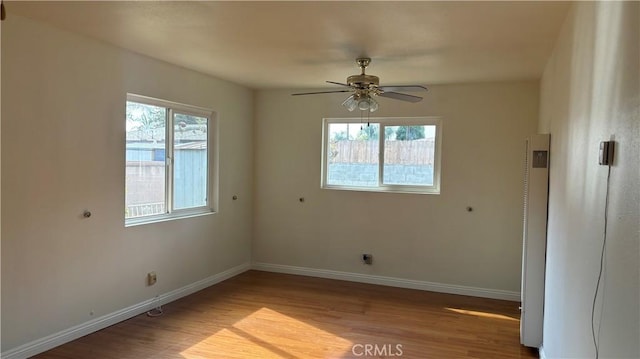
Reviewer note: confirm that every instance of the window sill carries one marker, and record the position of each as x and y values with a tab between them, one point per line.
405	190
132	222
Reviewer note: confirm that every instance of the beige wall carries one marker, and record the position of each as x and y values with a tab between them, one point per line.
418	237
590	92
63	133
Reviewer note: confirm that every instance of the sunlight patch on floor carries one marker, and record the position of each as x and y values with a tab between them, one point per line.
249	339
482	314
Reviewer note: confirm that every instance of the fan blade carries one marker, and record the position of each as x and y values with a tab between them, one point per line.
403	88
320	92
401	96
337	83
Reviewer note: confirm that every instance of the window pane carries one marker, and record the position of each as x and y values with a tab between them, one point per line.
145	160
409	155
190	161
352	154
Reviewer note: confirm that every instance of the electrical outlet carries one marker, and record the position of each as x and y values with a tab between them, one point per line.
367	258
151	278
606	153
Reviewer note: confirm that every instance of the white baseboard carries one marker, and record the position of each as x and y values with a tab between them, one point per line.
390	281
41	345
541	353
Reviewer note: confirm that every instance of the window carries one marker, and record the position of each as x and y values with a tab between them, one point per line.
387	155
168	160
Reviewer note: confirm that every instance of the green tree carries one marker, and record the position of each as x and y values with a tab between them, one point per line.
389	132
408	133
340	136
144	117
369	132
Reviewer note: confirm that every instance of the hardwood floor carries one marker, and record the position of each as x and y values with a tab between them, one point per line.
269	315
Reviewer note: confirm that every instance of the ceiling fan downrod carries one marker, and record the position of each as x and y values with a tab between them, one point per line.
363	62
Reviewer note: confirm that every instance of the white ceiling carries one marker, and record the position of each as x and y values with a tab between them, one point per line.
302	44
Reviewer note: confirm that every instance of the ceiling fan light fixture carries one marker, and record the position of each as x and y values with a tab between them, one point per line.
360	101
367	103
364	105
350	103
364	102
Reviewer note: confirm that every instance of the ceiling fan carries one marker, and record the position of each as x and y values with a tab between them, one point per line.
365	87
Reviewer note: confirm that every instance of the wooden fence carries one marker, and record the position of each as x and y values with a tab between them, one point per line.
417	152
145	183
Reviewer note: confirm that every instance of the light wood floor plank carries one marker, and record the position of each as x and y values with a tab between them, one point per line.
269	315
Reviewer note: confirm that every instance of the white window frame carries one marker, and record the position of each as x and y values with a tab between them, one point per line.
383	122
211	205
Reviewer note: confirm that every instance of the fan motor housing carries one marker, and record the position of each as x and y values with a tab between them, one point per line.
363	81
